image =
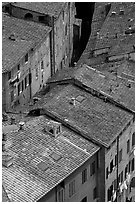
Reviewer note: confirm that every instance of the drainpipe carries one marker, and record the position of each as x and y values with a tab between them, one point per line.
117	168
56	194
52	47
53	37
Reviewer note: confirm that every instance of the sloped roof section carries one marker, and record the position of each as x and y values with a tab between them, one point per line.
41	161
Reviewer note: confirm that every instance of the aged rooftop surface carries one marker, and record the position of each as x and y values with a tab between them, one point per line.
99	120
112	34
117	25
120	87
27	35
41	161
51	8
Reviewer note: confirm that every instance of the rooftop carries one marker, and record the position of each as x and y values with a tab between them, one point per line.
41	161
51	8
26	36
114	27
120	88
96	119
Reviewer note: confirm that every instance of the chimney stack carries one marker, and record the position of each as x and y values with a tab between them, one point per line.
12	120
21	124
73	101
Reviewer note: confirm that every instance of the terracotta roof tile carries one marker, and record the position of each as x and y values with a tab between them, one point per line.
28	179
99	120
51	8
27	35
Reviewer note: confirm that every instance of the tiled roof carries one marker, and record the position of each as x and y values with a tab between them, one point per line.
116	25
27	35
13	51
96	119
5	197
103	82
41	161
120	91
122	67
51	8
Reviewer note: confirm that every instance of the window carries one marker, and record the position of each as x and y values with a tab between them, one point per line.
132	165
95	193
41	18
25	82
26	58
18	89
28	16
116	160
84	176
121	177
133	139
42	65
12	95
30	79
36	72
126	172
61	195
120	156
92	168
107	173
18	67
129	166
111	166
22	86
9	75
71	188
128	146
66	29
84	199
115	184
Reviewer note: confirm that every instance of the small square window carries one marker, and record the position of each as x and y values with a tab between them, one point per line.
26	58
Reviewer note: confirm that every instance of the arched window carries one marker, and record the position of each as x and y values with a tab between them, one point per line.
28	16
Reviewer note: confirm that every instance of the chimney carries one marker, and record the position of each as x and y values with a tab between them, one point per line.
21	124
12	37
54	128
121	12
72	101
3	146
4	117
7	160
4	137
113	14
12	120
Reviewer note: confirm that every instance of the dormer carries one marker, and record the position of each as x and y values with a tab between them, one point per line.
54	128
7	160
